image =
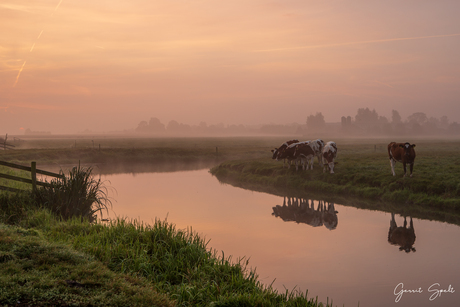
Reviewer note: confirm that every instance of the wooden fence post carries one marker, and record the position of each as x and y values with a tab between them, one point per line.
33	172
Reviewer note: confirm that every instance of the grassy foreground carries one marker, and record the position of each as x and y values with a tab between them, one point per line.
363	178
48	262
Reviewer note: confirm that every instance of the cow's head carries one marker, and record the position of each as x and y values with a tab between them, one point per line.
408	148
275	153
329	156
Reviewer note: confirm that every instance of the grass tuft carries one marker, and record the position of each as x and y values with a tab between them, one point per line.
77	194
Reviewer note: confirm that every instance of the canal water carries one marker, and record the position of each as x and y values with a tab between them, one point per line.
348	255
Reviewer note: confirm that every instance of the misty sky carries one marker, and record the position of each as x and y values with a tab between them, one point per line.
67	66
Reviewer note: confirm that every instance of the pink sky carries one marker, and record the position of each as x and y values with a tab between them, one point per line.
67	66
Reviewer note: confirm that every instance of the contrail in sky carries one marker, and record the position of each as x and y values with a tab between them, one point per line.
36	41
32	48
358	42
19	73
57	7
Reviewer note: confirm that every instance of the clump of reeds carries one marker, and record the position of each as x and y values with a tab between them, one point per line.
77	194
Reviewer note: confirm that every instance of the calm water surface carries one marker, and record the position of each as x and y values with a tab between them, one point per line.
344	256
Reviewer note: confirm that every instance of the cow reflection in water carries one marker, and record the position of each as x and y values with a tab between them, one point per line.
402	236
301	211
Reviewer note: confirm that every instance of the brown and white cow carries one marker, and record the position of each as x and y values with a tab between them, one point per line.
401	152
277	151
329	153
304	154
402	236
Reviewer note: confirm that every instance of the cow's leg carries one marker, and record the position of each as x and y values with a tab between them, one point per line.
392	164
404	166
411	168
312	160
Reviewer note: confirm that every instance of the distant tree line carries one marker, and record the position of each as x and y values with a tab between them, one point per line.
365	122
370	122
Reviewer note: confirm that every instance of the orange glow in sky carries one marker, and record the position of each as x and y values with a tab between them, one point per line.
67	66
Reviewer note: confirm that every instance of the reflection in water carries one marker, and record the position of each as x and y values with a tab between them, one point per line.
402	236
299	210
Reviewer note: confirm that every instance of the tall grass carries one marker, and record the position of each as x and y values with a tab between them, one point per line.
177	262
77	194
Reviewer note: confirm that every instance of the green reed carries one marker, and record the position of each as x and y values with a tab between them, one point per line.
77	194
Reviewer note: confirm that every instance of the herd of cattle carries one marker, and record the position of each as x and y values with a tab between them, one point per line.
304	153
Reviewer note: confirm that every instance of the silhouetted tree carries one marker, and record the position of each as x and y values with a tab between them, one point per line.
155	125
316	122
142	127
416	122
395	117
419	118
366	118
173	126
444	122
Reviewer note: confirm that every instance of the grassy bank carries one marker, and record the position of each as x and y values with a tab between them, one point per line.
52	255
49	262
363	178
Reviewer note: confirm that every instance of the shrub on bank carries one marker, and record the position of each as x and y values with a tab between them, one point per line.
77	194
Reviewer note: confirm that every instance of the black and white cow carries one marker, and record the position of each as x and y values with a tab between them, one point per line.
288	153
317	146
401	152
304	154
329	153
277	151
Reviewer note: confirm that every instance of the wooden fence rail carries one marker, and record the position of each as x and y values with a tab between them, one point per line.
33	174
